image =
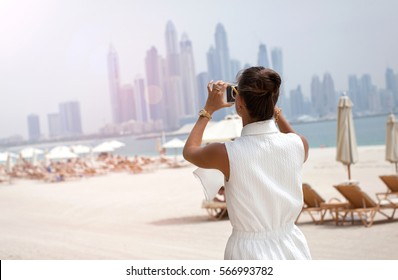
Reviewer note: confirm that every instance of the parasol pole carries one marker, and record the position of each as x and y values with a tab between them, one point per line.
349	172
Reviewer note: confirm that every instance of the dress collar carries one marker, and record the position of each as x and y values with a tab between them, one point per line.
262	127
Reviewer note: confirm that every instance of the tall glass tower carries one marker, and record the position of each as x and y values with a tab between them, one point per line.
70	118
263	56
114	84
172	52
222	54
34	127
277	65
189	83
153	77
141	104
173	87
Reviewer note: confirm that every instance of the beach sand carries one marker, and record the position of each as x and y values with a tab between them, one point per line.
158	215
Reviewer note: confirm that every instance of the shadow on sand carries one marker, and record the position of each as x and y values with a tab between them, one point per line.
185	220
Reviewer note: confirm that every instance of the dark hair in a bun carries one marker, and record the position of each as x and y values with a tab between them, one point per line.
259	88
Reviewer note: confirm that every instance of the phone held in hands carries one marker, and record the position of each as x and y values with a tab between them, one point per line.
231	93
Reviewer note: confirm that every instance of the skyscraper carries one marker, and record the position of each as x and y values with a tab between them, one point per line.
392	84
212	65
263	56
70	118
114	84
219	63
141	104
222	54
354	93
174	97
172	53
277	65
154	82
54	125
297	102
329	94
235	68
34	127
203	79
189	85
317	97
127	103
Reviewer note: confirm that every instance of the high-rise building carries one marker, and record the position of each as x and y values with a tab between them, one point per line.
70	118
174	97
277	65
114	84
263	56
219	63
277	61
188	75
297	103
127	103
141	104
154	83
34	127
54	125
330	94
317	97
392	84
203	80
235	69
354	93
212	65
172	52
222	54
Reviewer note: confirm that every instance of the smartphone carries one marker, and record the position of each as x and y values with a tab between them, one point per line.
231	94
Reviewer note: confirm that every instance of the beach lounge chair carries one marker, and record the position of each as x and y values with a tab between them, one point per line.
391	181
216	209
364	206
317	207
312	204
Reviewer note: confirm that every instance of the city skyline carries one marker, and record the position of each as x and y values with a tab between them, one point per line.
343	23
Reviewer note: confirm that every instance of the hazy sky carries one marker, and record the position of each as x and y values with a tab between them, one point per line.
53	51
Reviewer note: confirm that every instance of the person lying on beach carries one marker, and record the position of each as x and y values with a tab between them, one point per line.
262	168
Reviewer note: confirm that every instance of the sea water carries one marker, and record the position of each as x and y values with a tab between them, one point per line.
369	131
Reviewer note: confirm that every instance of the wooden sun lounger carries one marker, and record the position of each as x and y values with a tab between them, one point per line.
391	181
317	207
216	210
364	206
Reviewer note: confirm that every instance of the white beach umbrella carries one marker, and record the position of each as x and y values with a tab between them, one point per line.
116	144
105	147
61	152
3	157
392	141
224	130
80	149
30	152
174	143
346	146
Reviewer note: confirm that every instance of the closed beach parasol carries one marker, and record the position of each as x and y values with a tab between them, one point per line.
392	141
346	146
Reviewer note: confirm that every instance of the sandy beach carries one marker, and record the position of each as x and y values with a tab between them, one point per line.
158	215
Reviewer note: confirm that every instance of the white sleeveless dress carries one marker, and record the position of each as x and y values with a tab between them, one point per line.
264	194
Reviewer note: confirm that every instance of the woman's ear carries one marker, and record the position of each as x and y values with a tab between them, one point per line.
239	104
